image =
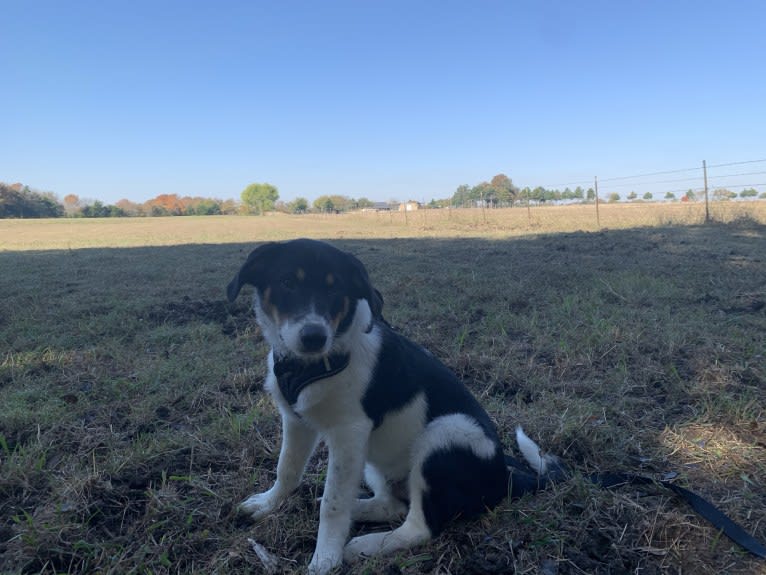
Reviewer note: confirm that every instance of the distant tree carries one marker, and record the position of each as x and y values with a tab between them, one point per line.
443	203
298	206
632	196
324	204
502	190
690	195
229	207
167	205
18	201
71	204
130	208
259	198
362	203
724	194
526	194
762	196
578	193
748	193
590	195
333	203
648	196
207	207
98	209
342	203
538	194
462	195
613	198
483	194
670	196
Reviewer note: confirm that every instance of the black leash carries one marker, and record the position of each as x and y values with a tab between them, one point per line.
523	480
703	507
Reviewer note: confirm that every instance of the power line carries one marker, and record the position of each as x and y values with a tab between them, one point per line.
739	186
740	174
653	182
737	163
663	173
650	174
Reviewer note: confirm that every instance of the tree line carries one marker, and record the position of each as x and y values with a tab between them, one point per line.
20	201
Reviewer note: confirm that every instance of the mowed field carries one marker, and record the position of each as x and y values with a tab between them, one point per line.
132	415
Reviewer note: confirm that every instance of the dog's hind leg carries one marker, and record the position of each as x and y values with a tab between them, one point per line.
457	471
414	531
383	506
298	442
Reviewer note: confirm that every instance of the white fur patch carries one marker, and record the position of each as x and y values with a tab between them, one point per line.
455	430
392	443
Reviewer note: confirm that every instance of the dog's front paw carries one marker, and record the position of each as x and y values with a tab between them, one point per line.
259	505
324	563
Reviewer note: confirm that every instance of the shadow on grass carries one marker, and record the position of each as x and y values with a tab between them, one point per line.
133	415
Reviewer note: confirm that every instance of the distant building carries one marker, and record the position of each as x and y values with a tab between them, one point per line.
378	207
409	206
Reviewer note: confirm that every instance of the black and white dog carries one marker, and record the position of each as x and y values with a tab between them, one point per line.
389	412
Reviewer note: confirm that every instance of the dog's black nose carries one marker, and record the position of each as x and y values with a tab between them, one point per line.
313	337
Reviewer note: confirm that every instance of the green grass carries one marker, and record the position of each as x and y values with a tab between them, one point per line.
132	418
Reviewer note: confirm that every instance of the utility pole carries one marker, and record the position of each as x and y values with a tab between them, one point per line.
707	204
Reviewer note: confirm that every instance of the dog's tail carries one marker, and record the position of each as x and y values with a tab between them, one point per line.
544	464
545	467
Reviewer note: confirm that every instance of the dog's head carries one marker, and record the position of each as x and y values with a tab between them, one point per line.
308	294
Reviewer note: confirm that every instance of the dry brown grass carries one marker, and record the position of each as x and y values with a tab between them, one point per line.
444	223
132	417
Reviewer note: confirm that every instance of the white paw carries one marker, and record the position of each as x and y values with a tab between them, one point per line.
259	505
324	563
364	546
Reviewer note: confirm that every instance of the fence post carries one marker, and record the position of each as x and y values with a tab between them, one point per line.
595	185
707	204
529	210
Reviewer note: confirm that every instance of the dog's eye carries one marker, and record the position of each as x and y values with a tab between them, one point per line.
289	283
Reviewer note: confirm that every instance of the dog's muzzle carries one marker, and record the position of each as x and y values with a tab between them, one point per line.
313	337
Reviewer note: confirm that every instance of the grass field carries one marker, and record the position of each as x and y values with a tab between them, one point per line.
132	418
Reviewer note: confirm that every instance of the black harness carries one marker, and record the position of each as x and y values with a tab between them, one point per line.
294	375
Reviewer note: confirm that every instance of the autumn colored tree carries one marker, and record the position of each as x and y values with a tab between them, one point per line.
166	204
72	204
130	208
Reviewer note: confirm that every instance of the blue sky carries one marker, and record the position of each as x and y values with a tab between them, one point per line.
377	99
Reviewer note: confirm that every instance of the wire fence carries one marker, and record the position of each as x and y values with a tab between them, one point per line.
724	192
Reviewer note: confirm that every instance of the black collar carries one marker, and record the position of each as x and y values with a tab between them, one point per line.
293	375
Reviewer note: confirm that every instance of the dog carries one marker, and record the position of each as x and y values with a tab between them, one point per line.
390	412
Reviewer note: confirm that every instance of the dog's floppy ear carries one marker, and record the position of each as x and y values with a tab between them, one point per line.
361	282
250	270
